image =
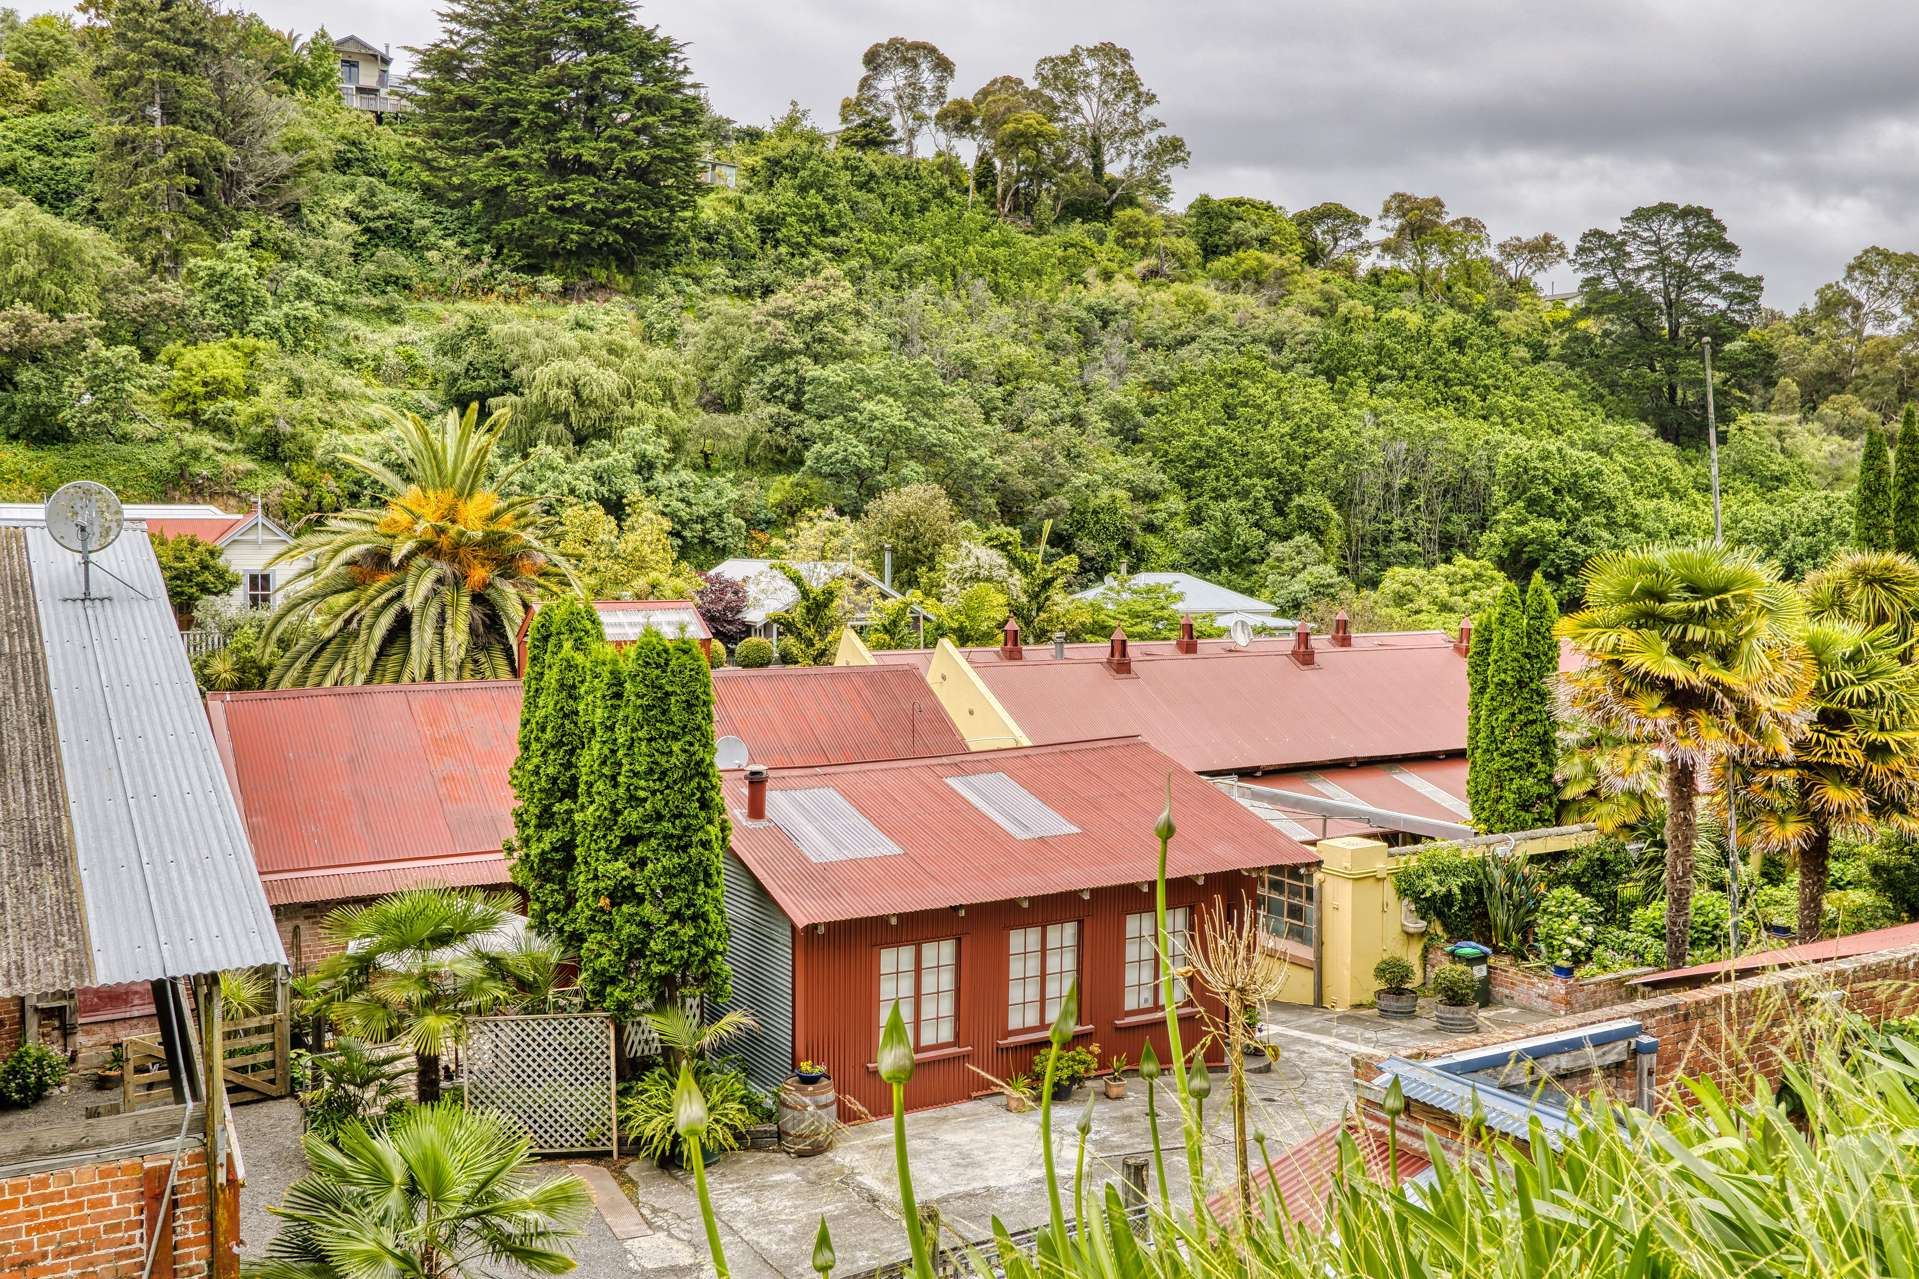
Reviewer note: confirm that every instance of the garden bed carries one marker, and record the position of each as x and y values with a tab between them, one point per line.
1534	988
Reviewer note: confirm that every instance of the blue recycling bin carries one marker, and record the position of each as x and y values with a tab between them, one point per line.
1476	956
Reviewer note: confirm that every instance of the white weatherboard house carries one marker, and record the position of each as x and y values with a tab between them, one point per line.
1202	599
247	542
768	591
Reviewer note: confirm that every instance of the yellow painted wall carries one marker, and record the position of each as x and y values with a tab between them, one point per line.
1298	988
853	651
1359	919
982	721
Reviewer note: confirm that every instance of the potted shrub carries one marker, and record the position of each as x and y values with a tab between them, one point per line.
1777	906
810	1072
108	1076
1072	1067
1395	996
1019	1093
1456	989
647	1112
1116	1078
1567	928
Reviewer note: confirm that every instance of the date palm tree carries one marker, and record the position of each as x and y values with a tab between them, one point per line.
1694	650
442	1192
432	585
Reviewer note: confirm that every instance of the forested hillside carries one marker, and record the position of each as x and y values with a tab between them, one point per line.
953	314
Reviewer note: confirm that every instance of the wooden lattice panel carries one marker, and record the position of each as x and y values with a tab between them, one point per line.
551	1074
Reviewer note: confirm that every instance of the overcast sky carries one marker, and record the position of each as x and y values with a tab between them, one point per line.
1797	122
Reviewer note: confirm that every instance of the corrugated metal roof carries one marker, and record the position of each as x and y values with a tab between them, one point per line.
1504	1110
1303	1175
165	869
488	871
768	591
44	947
1226	709
400	778
1020	813
624	620
952	854
825	826
1875	942
207	530
1193	594
1434	789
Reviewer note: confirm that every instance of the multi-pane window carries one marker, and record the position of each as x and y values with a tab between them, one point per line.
1142	955
1287	903
349	71
1041	964
923	980
260	590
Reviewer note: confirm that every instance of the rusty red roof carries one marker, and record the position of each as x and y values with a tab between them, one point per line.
1227	709
951	853
358	791
207	530
1875	942
1303	1175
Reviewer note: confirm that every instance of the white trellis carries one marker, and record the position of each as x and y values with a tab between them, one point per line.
552	1073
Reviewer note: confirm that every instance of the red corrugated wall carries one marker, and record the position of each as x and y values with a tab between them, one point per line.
836	990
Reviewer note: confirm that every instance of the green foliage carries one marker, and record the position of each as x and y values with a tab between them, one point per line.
1512	891
1437	598
53	265
192	569
1905	495
561	644
1893	867
1567	928
1443	883
753	652
647	1110
810	626
1872	499
29	1073
353	1084
1071	1066
1859	910
1455	986
1393	973
1604	871
1511	712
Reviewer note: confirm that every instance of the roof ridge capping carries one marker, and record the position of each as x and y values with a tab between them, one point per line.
985	758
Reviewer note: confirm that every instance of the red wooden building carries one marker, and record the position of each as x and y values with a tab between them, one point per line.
973	889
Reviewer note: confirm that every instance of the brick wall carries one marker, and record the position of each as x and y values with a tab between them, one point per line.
1534	988
13	1015
92	1219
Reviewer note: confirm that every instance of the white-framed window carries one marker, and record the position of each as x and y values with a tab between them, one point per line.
1041	963
260	589
923	979
1142	955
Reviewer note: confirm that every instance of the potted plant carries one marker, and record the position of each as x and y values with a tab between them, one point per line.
810	1072
1019	1093
1395	996
1116	1078
1567	927
1072	1067
1456	989
108	1076
1777	906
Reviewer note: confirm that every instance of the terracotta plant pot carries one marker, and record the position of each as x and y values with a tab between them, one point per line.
1017	1104
1456	1019
1396	1003
1115	1087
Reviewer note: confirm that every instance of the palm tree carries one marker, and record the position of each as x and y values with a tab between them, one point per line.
1694	650
412	967
1855	761
430	586
440	1192
1869	589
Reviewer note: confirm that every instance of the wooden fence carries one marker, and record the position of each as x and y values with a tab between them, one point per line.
257	1065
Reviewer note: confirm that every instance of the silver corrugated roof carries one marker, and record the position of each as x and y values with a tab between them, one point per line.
1018	811
166	873
826	826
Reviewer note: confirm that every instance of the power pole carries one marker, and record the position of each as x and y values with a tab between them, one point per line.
1712	445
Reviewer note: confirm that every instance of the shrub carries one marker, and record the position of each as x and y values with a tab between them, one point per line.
33	1071
1777	905
353	1084
1442	881
1568	926
1858	910
1892	870
753	652
1597	871
1510	889
1073	1066
1711	918
792	652
1393	973
647	1109
716	655
1455	986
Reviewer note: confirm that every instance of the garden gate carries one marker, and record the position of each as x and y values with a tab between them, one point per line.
552	1073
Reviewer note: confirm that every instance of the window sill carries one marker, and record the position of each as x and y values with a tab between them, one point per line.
1132	1021
931	1054
1026	1037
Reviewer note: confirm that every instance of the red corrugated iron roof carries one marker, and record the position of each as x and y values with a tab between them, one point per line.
1303	1175
952	854
410	780
1876	942
1225	709
207	530
1394	787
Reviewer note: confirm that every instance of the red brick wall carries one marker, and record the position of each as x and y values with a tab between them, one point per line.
1533	987
310	947
91	1220
13	1014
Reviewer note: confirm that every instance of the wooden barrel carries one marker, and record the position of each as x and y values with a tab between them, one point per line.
809	1115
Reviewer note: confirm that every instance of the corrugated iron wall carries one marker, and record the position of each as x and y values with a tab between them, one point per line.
760	951
836	981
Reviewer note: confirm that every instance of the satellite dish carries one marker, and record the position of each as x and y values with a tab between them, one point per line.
1242	632
84	517
730	752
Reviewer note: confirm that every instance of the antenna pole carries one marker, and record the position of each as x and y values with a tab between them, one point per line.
1712	443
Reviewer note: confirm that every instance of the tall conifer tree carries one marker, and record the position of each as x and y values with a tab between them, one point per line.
560	646
1905	485
609	917
1536	790
1872	499
1501	718
1479	765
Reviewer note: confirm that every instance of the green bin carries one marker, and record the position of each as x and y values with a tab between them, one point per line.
1476	957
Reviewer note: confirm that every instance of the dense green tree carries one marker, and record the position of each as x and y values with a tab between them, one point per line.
1537	736
906	82
1500	795
810	626
1872	499
1331	233
192	570
1905	486
568	127
1105	116
560	647
1427	240
1482	772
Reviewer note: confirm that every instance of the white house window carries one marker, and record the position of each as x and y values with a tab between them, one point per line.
260	589
349	71
1041	964
1142	955
924	981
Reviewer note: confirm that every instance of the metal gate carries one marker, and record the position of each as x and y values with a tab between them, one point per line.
552	1073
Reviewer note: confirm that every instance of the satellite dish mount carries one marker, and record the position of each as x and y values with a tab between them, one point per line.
1242	632
85	518
730	752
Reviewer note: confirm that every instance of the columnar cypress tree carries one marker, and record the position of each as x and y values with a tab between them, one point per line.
1905	485
610	916
546	775
1479	768
1500	727
685	830
1537	744
1872	499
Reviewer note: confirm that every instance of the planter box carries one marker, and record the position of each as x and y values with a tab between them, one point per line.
762	1137
1456	1019
1533	986
1396	1003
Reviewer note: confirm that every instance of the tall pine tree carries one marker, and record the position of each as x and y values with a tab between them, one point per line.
572	131
560	647
1872	499
1479	766
1905	485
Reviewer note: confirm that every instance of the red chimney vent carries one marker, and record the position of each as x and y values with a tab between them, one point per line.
1303	646
1009	648
756	792
1464	644
1187	642
1118	659
1342	630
